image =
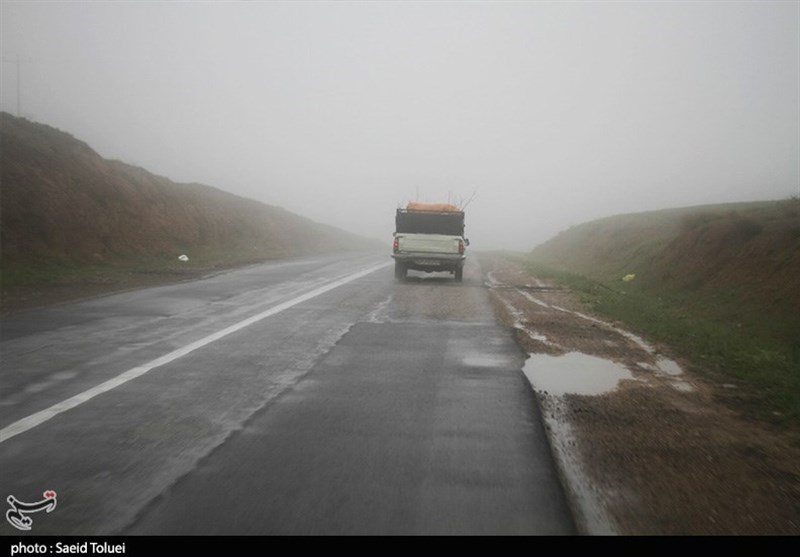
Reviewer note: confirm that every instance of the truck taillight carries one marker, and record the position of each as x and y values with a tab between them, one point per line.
461	247
396	245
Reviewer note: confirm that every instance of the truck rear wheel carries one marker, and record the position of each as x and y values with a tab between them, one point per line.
459	274
399	271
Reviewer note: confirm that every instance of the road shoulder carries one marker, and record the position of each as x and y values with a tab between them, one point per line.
656	453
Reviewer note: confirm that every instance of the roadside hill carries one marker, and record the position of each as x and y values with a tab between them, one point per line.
64	207
717	285
727	261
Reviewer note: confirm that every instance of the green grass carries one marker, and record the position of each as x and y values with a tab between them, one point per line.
726	340
43	272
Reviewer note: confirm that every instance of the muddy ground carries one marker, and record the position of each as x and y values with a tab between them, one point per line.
657	454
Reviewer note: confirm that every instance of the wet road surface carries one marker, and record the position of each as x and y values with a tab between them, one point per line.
303	397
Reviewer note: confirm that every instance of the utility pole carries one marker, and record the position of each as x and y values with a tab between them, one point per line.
17	60
18	87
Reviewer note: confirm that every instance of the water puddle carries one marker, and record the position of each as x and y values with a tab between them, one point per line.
491	281
574	373
670	367
381	312
50	381
682	386
513	311
64	375
538	336
536	301
486	361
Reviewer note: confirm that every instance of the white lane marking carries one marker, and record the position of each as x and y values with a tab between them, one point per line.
38	418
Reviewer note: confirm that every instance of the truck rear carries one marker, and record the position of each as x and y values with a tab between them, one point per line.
430	238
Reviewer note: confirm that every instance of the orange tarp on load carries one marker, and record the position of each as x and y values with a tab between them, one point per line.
432	207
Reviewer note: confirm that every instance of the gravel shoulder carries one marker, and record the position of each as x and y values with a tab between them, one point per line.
656	453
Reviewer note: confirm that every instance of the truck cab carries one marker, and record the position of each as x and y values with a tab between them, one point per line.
429	237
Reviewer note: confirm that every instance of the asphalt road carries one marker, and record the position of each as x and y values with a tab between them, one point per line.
313	396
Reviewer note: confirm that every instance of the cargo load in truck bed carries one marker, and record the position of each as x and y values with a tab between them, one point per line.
432	208
430	218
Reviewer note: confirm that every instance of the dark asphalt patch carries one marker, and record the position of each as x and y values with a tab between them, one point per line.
402	428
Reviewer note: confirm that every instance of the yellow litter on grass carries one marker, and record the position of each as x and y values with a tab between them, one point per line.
628	278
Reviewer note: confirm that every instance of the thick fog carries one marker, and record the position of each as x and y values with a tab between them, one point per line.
551	113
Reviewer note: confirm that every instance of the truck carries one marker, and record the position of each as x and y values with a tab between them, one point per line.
429	237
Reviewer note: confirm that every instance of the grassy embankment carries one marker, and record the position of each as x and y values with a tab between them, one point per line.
718	284
71	219
42	272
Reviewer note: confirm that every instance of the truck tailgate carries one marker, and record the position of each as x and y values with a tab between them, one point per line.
428	243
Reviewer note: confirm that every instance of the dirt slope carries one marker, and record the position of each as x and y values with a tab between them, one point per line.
62	203
744	253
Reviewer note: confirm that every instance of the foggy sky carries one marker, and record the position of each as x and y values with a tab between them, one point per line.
555	113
